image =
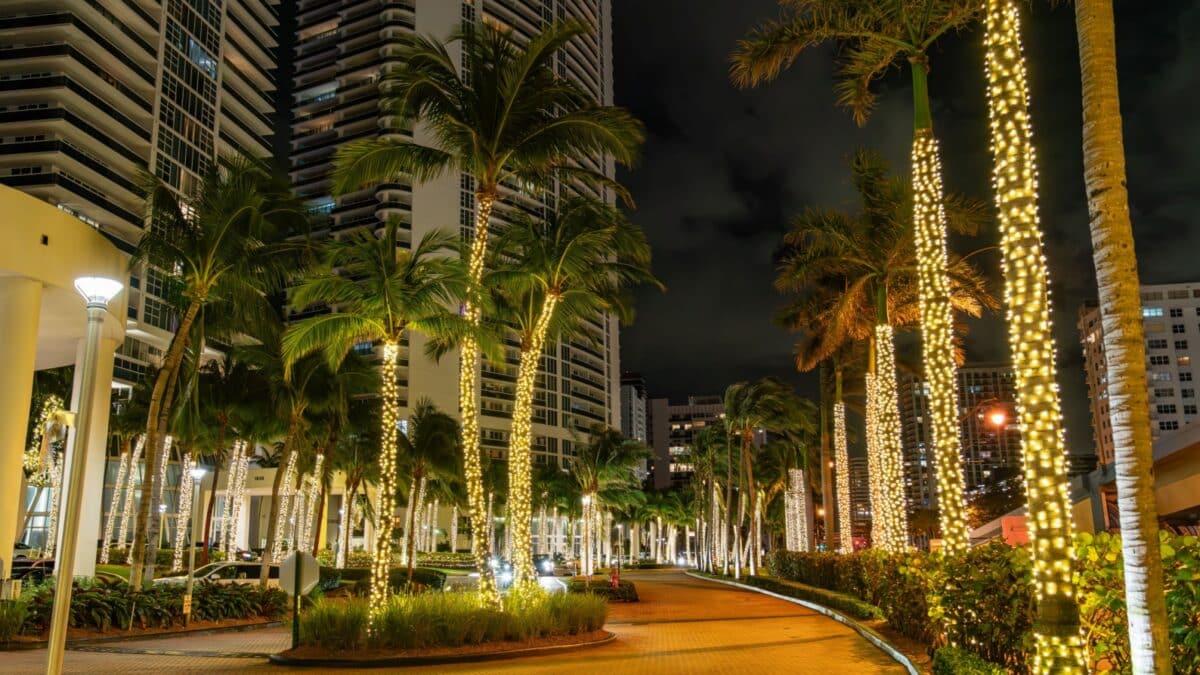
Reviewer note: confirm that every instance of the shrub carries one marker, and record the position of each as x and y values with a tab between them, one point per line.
12	618
326	557
359	559
847	604
449	620
955	661
359	578
447	559
626	592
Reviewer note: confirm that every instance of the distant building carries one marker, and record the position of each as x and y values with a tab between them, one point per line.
672	430
860	498
1171	321
989	430
633	407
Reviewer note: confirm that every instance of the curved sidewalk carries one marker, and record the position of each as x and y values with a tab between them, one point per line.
682	625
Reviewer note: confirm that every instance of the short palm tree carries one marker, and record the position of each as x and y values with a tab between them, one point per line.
874	37
224	242
507	122
574	266
356	456
379	291
605	470
1123	334
428	452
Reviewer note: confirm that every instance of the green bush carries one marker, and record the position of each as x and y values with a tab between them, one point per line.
955	661
359	578
447	559
12	619
449	620
626	592
847	604
359	559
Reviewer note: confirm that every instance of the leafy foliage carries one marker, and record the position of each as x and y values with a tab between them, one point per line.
625	592
955	661
12	618
832	599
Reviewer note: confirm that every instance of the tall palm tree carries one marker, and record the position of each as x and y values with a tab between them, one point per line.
874	37
1124	341
858	278
1057	639
605	470
428	452
504	119
575	265
356	456
708	459
222	242
380	291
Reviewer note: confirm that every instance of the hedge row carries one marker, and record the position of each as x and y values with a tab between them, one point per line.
985	596
847	604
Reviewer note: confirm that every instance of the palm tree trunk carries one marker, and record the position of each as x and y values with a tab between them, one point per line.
937	320
1057	641
158	481
273	527
891	456
841	457
212	494
320	521
114	502
1124	345
385	509
752	493
826	466
410	541
468	404
727	527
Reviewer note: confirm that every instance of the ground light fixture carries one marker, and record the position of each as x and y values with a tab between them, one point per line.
97	292
197	476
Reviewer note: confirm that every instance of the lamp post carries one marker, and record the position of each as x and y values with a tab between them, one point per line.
97	292
162	510
197	477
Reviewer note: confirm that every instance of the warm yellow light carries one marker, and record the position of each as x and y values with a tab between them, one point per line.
385	509
131	479
891	518
842	468
997	418
1058	645
937	333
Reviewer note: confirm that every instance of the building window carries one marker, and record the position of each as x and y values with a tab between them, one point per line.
1189	409
1181	344
1152	311
1160	360
1187	393
1164	393
1177	295
1158	343
1185	376
1169	425
1184	361
1160	377
1166	409
1176	312
1178	328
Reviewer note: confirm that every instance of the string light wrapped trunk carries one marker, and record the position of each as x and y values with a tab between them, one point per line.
55	498
183	514
454	529
1057	642
114	506
131	480
841	460
381	561
795	512
893	515
237	498
874	472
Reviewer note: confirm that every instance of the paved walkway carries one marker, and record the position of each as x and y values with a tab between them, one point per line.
682	625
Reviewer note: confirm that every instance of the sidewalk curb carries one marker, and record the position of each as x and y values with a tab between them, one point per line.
413	661
868	634
83	642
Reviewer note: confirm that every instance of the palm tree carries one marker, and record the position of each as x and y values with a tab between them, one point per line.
605	470
708	460
875	36
428	452
574	266
504	119
356	455
1057	639
380	291
1124	344
126	421
858	278
221	243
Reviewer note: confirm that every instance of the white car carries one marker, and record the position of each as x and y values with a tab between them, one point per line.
227	573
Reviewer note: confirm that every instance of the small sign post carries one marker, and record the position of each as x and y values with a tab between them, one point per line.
298	575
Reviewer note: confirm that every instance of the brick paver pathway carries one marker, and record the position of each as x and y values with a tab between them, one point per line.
682	625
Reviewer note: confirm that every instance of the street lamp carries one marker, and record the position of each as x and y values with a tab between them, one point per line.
97	292
197	476
162	531
997	417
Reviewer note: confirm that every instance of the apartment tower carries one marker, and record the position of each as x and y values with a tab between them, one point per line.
343	50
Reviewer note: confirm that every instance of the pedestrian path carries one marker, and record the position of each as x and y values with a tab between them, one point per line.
682	625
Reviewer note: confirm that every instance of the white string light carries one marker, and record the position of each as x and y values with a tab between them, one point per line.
842	468
385	509
183	514
892	515
127	512
113	506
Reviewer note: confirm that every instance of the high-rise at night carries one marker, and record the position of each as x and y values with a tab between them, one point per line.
91	93
344	48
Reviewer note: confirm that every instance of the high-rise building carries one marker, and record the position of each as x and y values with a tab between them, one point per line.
93	92
860	497
673	429
343	50
1171	322
633	407
989	431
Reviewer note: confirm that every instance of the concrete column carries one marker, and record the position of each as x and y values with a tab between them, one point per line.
20	309
90	515
242	537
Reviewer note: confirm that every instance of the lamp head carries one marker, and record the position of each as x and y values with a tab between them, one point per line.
98	291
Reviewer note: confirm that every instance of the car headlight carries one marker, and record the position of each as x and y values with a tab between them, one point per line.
547	566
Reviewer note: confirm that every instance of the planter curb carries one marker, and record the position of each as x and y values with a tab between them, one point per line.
81	642
868	634
412	661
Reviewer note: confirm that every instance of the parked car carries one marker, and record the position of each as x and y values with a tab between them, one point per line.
32	571
22	551
226	573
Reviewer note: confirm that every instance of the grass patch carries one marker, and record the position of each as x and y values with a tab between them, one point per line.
117	570
449	620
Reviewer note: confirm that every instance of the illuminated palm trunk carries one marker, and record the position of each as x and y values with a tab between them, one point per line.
131	478
113	511
286	489
937	323
183	515
841	459
1056	625
873	472
385	507
520	448
891	516
1124	339
468	406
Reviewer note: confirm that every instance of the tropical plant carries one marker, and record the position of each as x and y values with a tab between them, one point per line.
222	242
605	469
560	273
509	123
428	452
1123	333
1059	648
874	37
380	291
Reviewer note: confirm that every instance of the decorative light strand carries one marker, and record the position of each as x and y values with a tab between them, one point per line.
842	470
235	496
1057	641
285	494
385	508
39	445
795	512
128	514
183	514
56	475
454	529
114	506
937	338
893	516
874	473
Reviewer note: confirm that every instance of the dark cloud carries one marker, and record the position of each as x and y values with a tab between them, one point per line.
724	170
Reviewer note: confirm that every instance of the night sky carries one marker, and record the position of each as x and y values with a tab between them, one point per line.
724	171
